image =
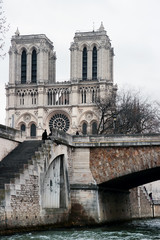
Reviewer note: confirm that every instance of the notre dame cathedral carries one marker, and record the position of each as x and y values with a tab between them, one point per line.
36	101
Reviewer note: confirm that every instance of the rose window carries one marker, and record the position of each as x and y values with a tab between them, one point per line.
60	122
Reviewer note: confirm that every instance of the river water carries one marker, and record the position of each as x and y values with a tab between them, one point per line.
135	230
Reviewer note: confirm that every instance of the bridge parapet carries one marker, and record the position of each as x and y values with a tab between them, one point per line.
117	140
11	133
106	140
9	139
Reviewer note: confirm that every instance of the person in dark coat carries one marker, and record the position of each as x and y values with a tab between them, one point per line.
44	135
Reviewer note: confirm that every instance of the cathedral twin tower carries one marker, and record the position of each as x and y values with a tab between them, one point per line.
35	101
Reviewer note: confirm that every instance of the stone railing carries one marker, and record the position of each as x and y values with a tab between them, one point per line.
11	133
106	140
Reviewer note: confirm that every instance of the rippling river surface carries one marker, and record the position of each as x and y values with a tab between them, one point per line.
135	230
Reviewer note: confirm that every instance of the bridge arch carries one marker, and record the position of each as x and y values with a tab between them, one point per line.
125	167
132	180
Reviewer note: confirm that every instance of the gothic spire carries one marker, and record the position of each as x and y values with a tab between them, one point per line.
17	33
101	27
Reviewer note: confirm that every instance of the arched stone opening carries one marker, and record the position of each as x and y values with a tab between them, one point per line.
33	130
55	185
132	180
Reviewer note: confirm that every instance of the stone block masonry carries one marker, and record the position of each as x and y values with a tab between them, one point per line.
21	202
84	207
112	166
140	203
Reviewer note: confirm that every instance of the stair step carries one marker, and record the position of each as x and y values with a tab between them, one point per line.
15	162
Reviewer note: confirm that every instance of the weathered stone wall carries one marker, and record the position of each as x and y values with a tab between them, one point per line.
81	173
21	200
140	203
11	133
156	209
114	206
23	203
154	188
84	193
2	210
88	204
109	163
84	207
9	139
6	147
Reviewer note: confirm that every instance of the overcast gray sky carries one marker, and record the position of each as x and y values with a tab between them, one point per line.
132	25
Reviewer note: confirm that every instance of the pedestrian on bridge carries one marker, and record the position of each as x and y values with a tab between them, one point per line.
44	135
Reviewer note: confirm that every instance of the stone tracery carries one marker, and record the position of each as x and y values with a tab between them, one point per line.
59	121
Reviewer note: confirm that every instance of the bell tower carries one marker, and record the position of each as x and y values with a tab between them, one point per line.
32	65
32	59
92	56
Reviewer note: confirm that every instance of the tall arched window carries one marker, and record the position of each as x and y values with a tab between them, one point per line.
23	67
84	97
84	128
93	96
94	128
84	64
33	130
34	66
94	63
23	127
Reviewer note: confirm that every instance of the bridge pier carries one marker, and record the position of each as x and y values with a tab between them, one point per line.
114	205
91	205
84	206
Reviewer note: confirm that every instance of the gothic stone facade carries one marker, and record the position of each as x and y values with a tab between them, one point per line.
35	101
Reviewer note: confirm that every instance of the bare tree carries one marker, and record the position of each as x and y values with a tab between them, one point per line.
136	114
106	106
3	29
129	113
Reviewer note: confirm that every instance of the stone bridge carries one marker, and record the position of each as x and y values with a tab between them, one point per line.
125	167
122	162
78	180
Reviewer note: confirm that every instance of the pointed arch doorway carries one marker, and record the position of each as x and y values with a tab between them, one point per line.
55	190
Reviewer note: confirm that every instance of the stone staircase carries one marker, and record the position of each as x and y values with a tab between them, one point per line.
146	194
13	164
20	172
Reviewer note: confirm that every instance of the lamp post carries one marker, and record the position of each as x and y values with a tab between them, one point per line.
114	123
